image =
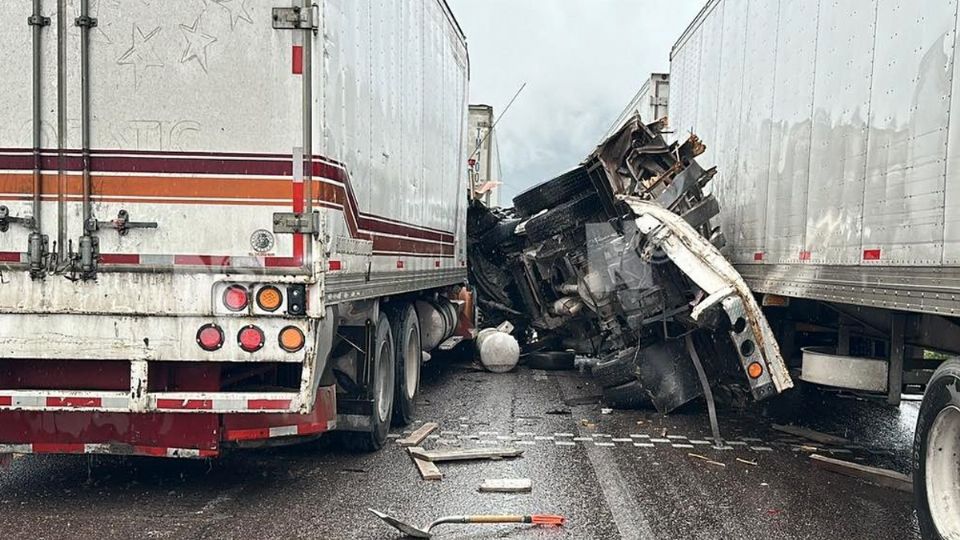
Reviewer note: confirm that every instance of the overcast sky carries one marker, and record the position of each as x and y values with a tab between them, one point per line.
582	60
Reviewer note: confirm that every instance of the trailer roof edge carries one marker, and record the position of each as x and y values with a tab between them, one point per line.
694	25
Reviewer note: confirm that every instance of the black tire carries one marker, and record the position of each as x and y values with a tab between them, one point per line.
938	437
384	373
405	327
552	192
626	396
563	218
616	368
552	360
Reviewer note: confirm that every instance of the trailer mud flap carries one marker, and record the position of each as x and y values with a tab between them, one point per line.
704	264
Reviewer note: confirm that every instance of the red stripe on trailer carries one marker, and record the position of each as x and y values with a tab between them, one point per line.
298	59
804	255
299	242
758	256
336	265
6	401
185	403
9	256
247	434
275	262
871	254
268	404
309	429
119	258
74	402
153	451
59	448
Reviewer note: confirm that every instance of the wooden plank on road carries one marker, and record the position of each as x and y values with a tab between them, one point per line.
428	470
418	436
874	475
806	433
461	455
506	485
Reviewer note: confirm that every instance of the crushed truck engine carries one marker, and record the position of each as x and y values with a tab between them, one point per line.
618	259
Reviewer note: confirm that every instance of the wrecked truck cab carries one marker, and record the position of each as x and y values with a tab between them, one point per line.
618	258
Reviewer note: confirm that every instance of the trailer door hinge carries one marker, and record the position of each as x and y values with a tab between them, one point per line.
296	18
294	223
85	22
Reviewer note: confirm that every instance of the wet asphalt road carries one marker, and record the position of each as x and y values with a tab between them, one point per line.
627	475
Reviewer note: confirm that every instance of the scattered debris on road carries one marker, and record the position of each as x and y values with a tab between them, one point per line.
506	485
706	459
873	475
747	461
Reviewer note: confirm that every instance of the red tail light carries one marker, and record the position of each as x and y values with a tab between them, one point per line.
236	298
250	338
210	337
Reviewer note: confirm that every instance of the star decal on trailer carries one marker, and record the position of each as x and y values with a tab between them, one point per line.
237	10
141	54
197	43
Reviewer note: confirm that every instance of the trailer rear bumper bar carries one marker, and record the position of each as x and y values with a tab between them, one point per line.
166	434
127	402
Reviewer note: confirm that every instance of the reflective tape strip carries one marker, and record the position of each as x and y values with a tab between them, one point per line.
44	401
106	448
74	402
277	431
268	404
179	404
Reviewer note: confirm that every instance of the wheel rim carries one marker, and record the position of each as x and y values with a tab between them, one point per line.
411	363
943	472
384	368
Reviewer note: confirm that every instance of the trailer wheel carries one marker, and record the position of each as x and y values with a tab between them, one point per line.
936	456
562	218
383	374
406	331
616	368
631	395
552	192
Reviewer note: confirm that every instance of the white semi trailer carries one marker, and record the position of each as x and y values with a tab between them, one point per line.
224	223
834	127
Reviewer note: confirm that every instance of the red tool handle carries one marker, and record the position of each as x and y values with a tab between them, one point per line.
548	519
